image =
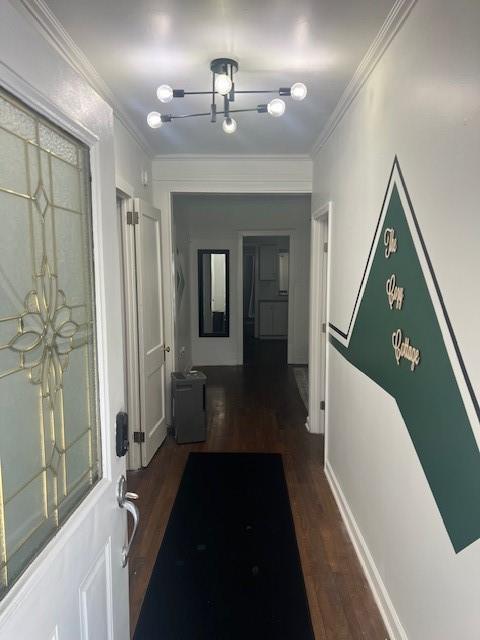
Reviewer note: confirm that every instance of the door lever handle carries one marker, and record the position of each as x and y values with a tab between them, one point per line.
124	498
135	513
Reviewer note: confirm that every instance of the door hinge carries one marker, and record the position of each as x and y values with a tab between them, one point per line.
324	327
139	436
132	217
325	247
322	405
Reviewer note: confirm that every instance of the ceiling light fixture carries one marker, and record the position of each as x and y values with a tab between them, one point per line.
276	107
229	125
154	119
165	93
298	91
223	70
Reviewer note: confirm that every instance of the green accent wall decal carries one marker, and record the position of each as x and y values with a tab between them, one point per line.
401	337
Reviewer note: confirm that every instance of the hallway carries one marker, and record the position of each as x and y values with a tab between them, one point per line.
258	409
267	192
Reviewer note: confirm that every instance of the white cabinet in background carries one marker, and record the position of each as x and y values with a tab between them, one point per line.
268	258
273	318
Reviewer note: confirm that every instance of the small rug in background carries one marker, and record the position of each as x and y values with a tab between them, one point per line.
301	378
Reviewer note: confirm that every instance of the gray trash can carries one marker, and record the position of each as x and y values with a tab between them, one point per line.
189	417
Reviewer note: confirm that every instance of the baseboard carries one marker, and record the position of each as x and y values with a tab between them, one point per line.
380	593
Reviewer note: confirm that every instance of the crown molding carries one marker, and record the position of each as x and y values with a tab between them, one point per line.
390	27
234	173
241	186
54	32
186	157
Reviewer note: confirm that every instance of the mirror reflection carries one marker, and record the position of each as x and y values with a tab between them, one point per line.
213	293
283	273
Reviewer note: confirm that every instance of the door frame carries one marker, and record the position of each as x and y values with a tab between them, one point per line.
39	566
164	202
317	418
291	234
130	326
183	178
142	211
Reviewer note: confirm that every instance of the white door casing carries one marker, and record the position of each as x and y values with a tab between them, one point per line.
319	313
132	378
151	341
76	587
163	202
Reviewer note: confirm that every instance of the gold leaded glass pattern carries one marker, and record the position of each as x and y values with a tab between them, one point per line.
49	449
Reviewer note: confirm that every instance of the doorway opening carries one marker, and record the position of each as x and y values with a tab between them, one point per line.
221	222
265	299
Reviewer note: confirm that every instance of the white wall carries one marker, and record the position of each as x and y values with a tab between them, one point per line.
131	159
232	174
421	103
181	253
214	222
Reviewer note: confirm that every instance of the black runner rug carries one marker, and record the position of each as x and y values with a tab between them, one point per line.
229	566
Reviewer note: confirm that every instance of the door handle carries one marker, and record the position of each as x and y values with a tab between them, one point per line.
167	349
124	499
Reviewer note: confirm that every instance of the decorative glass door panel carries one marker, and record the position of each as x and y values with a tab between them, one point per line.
49	450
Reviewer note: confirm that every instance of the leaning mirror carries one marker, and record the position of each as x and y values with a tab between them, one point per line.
213	293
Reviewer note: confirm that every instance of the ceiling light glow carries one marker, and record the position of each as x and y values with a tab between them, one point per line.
276	107
165	93
154	120
223	84
298	91
229	125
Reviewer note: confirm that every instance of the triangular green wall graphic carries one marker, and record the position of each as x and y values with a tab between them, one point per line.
436	399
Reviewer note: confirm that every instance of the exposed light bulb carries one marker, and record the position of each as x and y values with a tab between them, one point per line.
223	84
276	107
298	91
154	120
165	93
229	125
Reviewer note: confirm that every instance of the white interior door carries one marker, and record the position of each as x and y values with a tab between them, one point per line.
151	342
317	349
61	528
323	318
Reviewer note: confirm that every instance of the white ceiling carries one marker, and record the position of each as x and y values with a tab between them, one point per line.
135	45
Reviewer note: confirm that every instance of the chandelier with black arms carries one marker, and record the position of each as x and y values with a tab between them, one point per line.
223	70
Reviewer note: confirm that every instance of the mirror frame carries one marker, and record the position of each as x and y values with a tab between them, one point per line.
200	254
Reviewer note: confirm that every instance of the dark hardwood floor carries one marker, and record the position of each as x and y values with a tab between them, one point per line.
258	408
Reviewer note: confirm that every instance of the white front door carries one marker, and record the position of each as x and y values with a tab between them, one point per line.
150	327
62	530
